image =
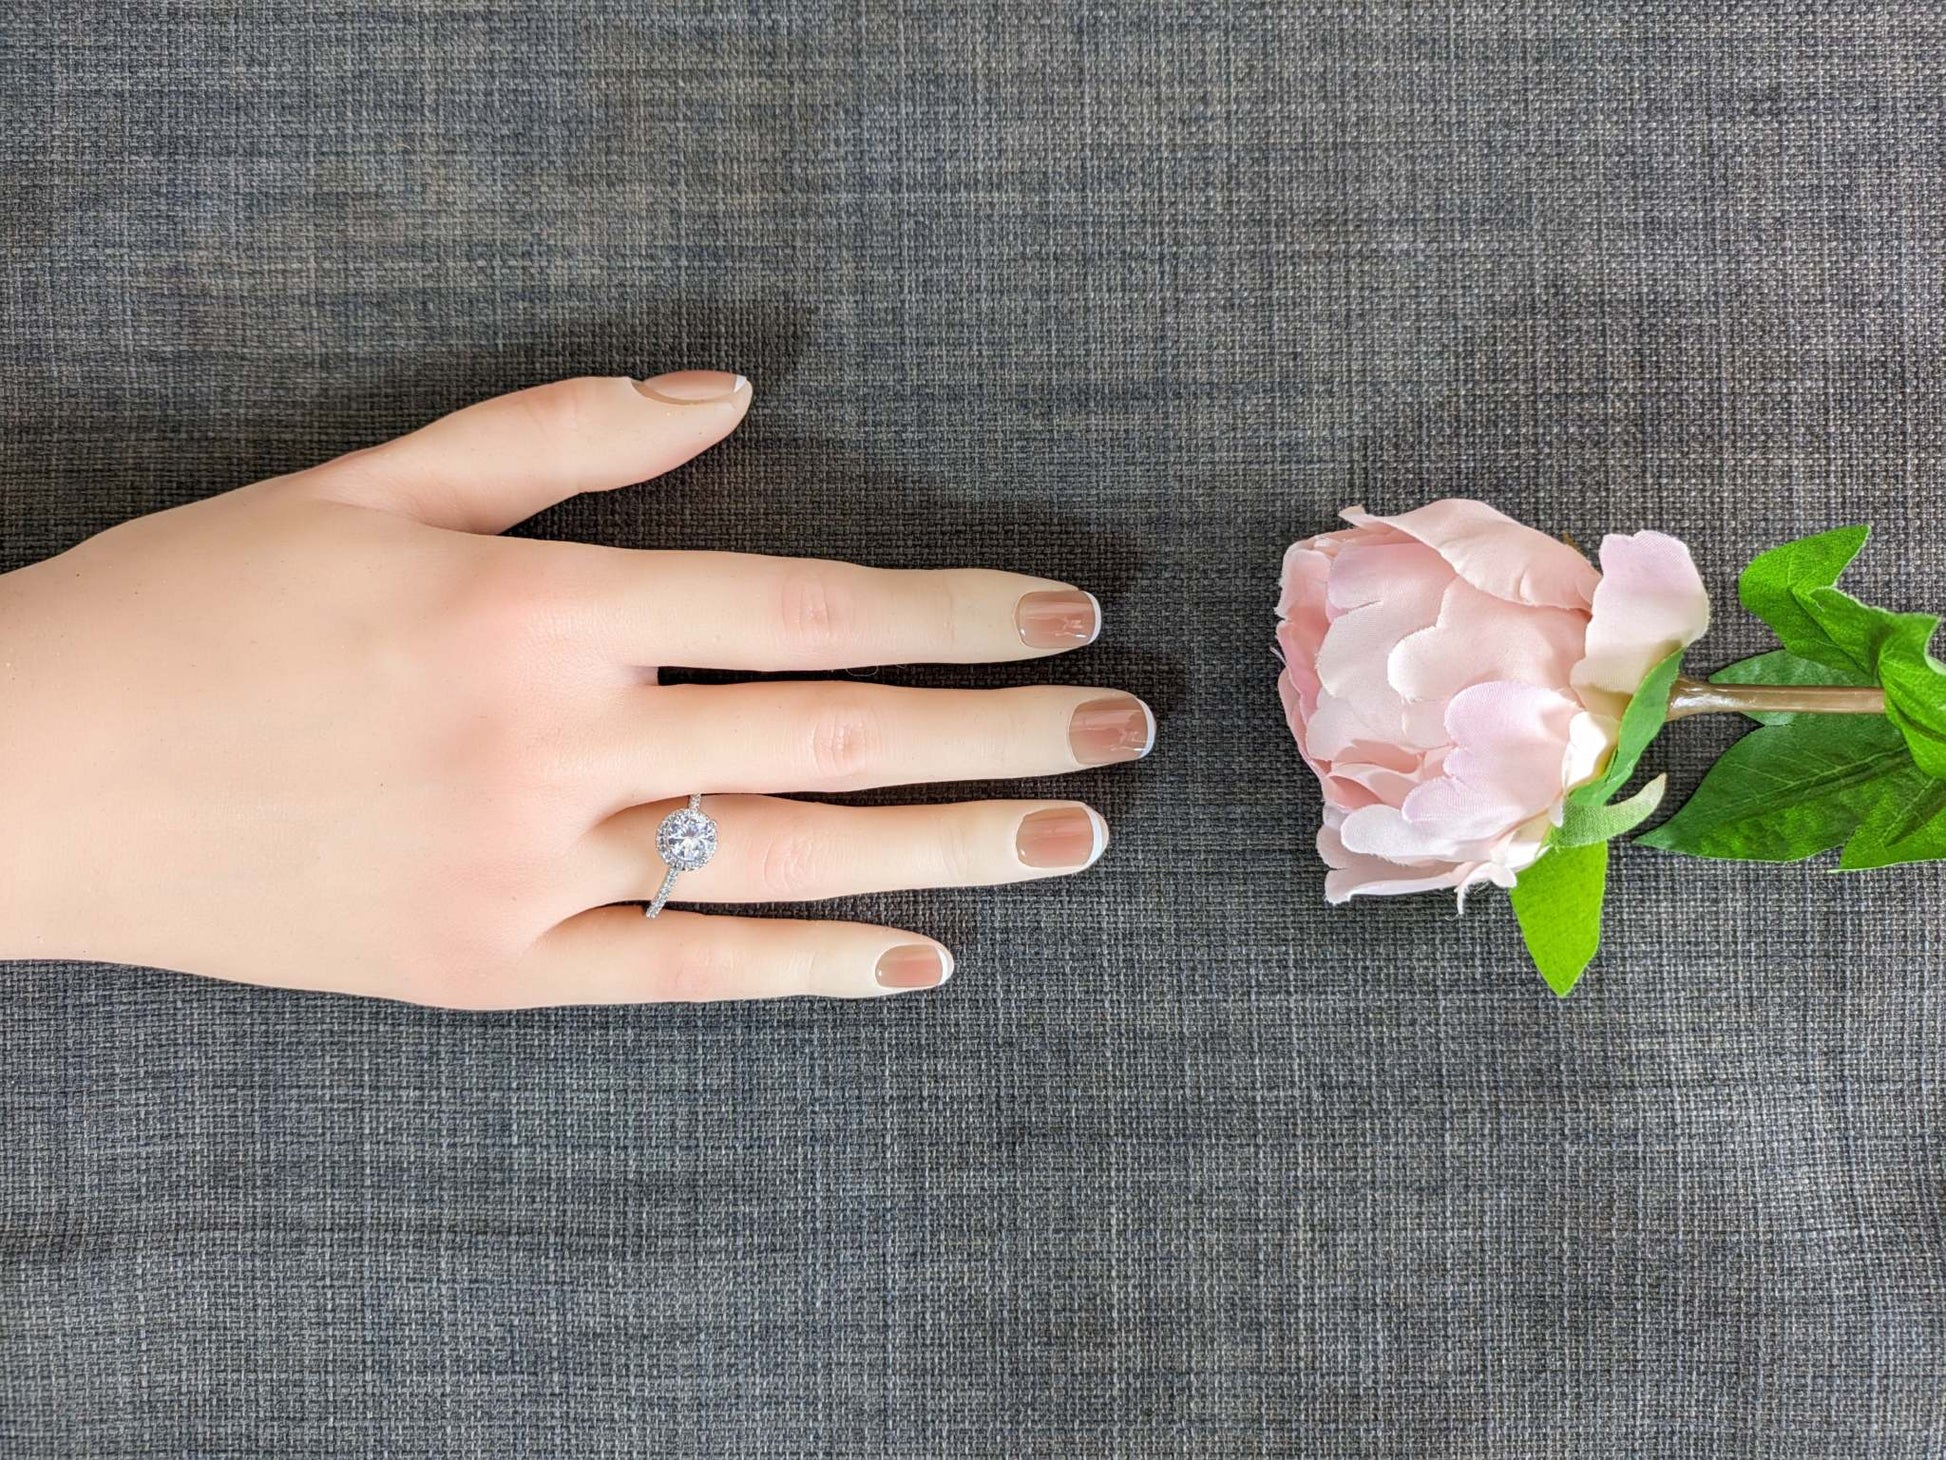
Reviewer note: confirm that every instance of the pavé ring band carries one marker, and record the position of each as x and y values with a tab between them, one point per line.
686	840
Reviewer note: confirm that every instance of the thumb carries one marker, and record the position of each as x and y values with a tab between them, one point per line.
491	464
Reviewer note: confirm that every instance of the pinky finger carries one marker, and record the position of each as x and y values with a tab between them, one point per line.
614	955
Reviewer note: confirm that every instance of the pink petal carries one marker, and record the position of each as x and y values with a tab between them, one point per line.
1391	756
1518	850
1302	584
1387	785
1650	602
1510	744
1351	663
1493	552
1365	574
1425	724
1301	630
1336	726
1388	833
1297	716
1591	739
1479	872
1352	875
1347	793
1372	878
1479	638
1300	671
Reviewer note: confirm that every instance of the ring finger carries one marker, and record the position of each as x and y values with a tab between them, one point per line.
773	850
811	735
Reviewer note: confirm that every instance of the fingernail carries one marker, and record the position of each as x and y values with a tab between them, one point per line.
692	387
1064	618
1062	836
1107	730
913	966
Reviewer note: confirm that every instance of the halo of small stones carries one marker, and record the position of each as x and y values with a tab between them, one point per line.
686	839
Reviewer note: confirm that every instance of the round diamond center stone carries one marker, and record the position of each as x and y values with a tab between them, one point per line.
686	839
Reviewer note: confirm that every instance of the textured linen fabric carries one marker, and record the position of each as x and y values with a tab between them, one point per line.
1183	1162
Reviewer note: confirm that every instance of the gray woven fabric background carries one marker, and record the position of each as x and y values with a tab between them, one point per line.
1183	1162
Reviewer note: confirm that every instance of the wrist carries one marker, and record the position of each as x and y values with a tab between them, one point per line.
36	779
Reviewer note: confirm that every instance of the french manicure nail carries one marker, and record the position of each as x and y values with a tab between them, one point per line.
1064	618
913	966
1061	836
1107	730
692	387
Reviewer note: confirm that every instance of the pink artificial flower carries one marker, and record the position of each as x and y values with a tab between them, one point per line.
1451	675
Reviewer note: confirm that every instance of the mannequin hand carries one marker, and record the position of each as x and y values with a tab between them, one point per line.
328	731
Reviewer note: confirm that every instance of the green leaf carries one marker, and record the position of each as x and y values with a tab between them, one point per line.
1771	587
1793	589
1786	792
1780	666
1558	902
1581	825
1907	825
1803	784
1861	631
1915	694
1894	645
1646	711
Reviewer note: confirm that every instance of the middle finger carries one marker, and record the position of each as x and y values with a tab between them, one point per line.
745	611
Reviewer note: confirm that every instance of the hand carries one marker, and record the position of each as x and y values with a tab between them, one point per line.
327	731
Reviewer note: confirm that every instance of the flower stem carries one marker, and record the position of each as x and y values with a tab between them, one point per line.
1699	697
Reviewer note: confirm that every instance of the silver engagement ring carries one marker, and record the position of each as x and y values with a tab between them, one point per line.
686	840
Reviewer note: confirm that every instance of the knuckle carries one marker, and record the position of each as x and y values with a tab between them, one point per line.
793	863
961	856
365	475
563	410
820	972
696	971
816	605
846	737
952	608
513	599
